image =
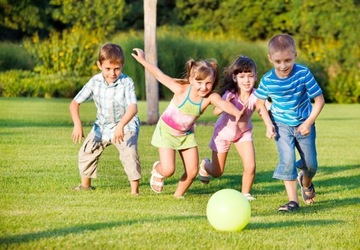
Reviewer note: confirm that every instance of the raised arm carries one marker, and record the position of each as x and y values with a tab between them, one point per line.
169	82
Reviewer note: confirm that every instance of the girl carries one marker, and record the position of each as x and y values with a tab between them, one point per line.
175	128
237	88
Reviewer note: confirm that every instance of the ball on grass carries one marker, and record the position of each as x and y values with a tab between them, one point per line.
228	210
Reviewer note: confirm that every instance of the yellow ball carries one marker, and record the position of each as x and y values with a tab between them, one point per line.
228	210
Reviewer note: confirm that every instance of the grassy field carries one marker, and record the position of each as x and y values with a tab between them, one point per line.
38	209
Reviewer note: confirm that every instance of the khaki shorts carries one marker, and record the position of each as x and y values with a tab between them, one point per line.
91	150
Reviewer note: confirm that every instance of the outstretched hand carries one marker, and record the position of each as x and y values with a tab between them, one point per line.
139	55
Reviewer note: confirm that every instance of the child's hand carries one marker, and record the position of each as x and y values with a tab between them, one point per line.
139	55
270	132
303	129
77	134
119	134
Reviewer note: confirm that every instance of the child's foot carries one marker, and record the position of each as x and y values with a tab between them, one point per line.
156	180
308	194
291	206
249	197
204	177
81	187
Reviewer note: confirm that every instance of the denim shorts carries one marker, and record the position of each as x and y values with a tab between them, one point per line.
288	140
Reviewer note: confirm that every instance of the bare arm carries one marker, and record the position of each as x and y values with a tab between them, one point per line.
77	133
264	114
318	105
129	114
169	82
218	111
226	106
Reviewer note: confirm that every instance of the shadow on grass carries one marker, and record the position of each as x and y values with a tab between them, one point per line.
291	223
24	238
329	179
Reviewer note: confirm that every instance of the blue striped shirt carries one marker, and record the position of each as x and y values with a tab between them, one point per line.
291	96
111	102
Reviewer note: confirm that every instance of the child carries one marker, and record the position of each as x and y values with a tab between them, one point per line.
237	88
175	128
291	87
116	121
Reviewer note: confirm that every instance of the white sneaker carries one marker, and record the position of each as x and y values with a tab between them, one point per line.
249	197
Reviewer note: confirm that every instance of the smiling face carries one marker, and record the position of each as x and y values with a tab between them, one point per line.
204	86
110	71
245	80
283	62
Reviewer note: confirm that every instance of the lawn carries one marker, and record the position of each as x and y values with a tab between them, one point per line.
38	209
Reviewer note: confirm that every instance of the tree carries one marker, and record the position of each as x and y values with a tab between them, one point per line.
152	88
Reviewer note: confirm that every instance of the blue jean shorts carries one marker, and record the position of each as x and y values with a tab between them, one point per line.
287	141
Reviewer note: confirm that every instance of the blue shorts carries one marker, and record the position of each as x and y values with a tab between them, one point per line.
287	141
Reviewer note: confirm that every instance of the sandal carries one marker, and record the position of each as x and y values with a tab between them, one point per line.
153	182
308	198
289	207
81	187
204	177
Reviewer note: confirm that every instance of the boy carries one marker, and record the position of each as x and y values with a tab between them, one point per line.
291	88
116	121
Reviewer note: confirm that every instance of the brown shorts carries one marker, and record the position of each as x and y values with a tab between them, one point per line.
91	150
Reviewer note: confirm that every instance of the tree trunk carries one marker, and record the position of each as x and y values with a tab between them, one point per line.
152	87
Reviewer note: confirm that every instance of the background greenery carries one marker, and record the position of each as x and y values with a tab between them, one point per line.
38	209
60	38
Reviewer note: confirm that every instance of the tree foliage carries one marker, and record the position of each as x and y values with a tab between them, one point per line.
326	31
90	14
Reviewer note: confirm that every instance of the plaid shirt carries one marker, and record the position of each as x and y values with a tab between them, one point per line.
111	102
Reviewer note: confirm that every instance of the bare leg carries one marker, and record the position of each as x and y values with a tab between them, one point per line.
190	158
247	153
217	166
85	182
291	190
134	187
166	166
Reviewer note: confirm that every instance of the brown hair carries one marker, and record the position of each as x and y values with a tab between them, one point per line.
242	64
111	52
281	42
202	69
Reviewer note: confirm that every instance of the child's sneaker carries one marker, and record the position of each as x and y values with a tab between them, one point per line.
204	177
249	197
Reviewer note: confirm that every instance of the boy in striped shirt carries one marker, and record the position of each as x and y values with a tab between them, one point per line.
291	87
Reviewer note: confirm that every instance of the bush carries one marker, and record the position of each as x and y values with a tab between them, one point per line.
14	56
17	83
73	52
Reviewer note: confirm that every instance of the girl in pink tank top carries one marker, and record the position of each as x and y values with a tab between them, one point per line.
174	130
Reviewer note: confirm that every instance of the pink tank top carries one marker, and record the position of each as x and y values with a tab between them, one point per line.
182	118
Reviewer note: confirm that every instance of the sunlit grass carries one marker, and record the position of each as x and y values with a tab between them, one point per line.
38	166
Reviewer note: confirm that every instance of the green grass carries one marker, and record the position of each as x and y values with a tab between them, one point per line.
38	166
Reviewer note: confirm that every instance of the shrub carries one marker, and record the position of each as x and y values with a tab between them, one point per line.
14	56
73	52
17	83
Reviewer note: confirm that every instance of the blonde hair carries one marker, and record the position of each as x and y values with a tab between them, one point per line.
111	52
199	70
281	42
